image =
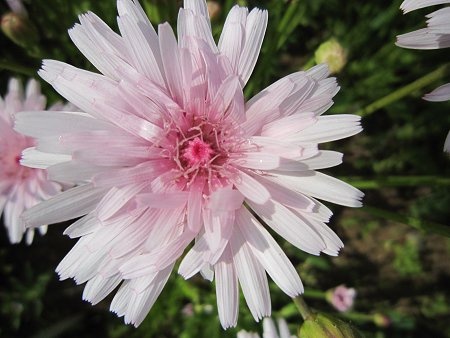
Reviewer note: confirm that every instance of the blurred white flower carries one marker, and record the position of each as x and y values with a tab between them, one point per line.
269	330
436	35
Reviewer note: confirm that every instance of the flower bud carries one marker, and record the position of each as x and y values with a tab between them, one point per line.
332	53
381	320
19	29
326	326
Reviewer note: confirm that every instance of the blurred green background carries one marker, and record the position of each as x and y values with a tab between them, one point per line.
397	247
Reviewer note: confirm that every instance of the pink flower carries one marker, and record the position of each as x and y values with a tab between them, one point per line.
269	330
20	187
167	152
341	297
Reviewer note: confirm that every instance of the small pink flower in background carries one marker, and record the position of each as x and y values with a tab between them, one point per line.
188	310
269	330
341	297
435	36
167	152
20	187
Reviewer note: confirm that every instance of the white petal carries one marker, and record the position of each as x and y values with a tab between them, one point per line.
72	203
171	60
269	254
225	199
269	329
232	37
447	143
251	188
48	123
36	159
441	93
411	5
193	261
258	160
323	187
142	44
290	226
255	29
252	277
99	287
328	128
227	291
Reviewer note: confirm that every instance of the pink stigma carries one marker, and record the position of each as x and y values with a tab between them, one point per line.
197	152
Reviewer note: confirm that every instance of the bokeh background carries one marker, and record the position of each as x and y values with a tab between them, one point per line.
397	247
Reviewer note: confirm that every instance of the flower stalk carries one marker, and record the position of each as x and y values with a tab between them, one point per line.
405	91
395	181
415	222
302	307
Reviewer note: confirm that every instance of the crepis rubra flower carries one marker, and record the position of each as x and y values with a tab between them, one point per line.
166	152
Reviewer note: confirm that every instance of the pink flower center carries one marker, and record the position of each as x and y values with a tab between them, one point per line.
197	152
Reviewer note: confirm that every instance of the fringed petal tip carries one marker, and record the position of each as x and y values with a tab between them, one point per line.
411	5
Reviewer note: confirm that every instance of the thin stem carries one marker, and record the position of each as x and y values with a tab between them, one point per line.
302	307
356	316
314	294
402	92
395	181
415	222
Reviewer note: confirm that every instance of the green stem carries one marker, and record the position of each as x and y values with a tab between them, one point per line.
417	223
356	316
302	307
402	92
395	181
314	294
16	68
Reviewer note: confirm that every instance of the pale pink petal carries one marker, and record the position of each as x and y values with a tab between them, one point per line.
70	204
252	189
227	290
36	159
292	228
447	143
141	42
171	60
411	5
283	329
252	277
441	93
322	186
269	254
255	28
328	128
225	199
233	35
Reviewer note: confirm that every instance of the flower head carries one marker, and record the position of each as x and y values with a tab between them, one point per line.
20	187
341	297
166	151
